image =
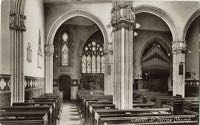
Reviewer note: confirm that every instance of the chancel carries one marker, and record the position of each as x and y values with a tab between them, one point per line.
99	62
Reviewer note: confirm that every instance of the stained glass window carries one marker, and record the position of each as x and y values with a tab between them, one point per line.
94	53
65	49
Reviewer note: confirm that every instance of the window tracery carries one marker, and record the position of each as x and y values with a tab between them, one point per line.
65	49
93	58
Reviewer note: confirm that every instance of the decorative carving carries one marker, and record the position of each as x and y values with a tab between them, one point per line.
192	83
33	82
29	53
17	22
179	46
4	82
74	82
122	15
49	49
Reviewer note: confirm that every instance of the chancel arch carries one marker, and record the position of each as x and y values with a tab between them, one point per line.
51	35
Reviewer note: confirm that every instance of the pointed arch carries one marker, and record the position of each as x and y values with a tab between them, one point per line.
51	34
158	40
161	14
189	22
71	14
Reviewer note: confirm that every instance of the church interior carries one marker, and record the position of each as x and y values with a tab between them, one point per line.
99	62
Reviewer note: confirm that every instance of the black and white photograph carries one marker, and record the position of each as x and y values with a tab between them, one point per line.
99	62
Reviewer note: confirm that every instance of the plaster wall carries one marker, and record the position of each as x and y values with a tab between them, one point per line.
34	12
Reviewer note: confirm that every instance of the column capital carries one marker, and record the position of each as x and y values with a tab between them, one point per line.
49	49
122	15
17	22
178	47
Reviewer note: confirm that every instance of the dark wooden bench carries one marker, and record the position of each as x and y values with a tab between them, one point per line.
100	113
44	109
52	104
92	98
48	99
24	118
89	102
191	103
95	106
58	95
161	100
146	105
150	120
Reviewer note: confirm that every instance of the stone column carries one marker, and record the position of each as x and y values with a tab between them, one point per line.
108	82
49	50
17	28
179	48
123	21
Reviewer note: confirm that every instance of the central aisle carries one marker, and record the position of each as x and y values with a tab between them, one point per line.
69	114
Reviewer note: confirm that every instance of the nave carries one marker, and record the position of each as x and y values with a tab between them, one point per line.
95	108
70	114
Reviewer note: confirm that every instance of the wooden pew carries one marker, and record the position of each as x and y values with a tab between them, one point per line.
59	96
146	105
95	106
52	104
160	100
92	98
191	103
59	101
43	109
23	118
100	113
89	102
48	99
151	120
81	94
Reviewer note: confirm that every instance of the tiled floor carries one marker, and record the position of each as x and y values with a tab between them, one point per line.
69	114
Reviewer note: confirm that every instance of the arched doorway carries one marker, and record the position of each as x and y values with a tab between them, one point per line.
155	67
65	86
